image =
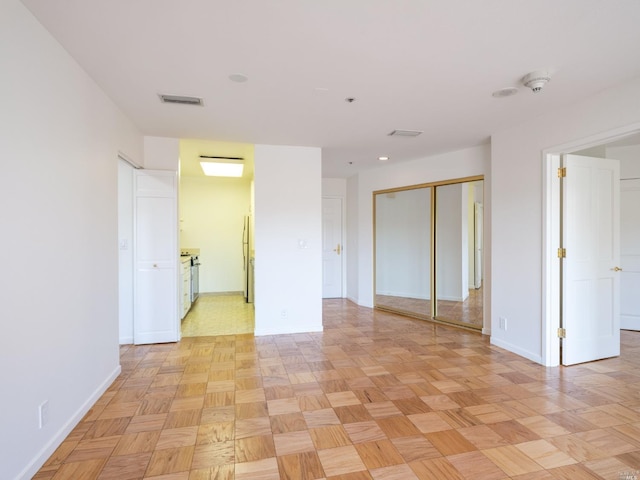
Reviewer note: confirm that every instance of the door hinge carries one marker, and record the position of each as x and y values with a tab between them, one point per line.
562	172
562	333
562	253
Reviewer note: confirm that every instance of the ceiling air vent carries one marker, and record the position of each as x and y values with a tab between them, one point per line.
181	99
405	133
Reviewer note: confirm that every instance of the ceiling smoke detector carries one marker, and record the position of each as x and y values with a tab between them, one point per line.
536	80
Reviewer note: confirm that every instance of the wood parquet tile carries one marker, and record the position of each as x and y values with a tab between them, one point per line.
375	396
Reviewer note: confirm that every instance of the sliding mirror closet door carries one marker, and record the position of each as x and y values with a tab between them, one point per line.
458	253
403	251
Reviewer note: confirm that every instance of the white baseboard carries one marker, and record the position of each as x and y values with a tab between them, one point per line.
126	340
286	330
517	350
44	454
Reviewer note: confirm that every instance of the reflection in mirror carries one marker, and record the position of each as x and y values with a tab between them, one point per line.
458	255
403	251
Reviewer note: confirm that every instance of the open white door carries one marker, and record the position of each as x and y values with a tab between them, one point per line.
332	248
590	275
630	254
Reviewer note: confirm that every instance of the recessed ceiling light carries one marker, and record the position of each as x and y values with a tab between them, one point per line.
383	158
238	77
505	92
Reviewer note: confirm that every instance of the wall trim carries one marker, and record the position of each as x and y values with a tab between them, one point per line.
517	350
288	331
30	470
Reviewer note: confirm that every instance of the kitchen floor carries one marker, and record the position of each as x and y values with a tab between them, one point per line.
374	396
219	314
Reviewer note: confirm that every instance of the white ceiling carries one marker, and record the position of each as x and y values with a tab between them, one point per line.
428	65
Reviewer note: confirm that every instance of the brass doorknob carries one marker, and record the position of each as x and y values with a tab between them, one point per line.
616	269
337	249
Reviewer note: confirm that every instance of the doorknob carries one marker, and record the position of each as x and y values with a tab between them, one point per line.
616	269
337	249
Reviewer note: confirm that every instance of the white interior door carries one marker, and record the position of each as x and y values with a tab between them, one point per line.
332	248
630	254
156	316
591	237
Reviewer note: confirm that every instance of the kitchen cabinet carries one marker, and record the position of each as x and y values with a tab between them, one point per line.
185	291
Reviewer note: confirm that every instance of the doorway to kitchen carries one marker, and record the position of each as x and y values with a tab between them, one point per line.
216	221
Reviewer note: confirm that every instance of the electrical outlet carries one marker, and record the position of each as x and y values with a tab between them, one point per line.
503	323
283	314
43	414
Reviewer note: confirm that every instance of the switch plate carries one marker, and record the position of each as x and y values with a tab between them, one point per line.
124	244
503	323
43	414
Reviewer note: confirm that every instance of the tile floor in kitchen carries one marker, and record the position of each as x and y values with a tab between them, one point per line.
219	314
374	396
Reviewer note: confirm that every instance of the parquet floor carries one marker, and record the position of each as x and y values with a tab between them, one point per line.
375	396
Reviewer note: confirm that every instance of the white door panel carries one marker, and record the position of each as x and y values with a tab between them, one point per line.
332	247
591	299
630	254
156	312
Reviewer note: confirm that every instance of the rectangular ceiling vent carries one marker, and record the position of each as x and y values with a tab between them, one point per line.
181	99
405	133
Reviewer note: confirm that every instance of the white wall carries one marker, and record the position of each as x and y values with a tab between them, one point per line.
517	206
334	187
60	140
161	153
125	252
629	157
288	239
212	211
458	164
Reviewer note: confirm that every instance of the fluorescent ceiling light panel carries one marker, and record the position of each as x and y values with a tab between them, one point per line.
222	169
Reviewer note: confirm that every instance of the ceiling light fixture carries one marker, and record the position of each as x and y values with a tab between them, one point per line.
383	158
222	166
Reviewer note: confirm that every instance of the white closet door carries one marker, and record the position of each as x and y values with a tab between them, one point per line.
156	316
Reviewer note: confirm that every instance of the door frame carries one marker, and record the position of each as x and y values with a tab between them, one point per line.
343	240
551	291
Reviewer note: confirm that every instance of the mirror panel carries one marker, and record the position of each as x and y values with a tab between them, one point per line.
412	251
403	251
459	253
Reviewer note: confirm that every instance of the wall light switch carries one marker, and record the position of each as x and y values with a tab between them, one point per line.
124	244
302	243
